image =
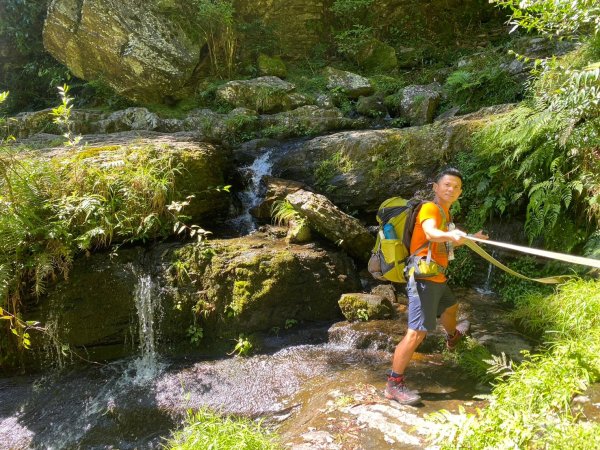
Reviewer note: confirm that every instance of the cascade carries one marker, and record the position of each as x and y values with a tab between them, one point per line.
251	196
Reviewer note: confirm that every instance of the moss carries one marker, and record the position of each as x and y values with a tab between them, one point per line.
92	152
271	66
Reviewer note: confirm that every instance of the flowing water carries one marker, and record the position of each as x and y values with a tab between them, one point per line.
316	385
251	195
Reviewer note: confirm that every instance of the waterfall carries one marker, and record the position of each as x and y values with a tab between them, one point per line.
486	289
147	304
251	196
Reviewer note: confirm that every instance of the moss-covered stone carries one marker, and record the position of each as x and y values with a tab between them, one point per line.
365	307
273	66
377	56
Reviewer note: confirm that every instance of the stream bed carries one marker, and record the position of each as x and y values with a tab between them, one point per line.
318	386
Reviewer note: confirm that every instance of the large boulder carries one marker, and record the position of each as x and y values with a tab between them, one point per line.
146	51
377	56
254	283
204	166
359	169
337	226
359	306
226	287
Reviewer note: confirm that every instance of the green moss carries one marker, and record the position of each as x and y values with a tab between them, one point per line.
328	168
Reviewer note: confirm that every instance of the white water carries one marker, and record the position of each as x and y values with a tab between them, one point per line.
139	373
251	196
486	289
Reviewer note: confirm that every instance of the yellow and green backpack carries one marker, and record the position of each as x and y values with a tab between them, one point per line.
392	247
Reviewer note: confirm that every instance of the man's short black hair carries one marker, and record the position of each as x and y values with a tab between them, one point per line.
449	171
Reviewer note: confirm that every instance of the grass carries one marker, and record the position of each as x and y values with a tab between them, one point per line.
204	429
531	405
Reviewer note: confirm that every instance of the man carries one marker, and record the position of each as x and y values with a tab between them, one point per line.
429	297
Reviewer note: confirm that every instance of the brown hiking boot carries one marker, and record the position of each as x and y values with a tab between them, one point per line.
396	390
462	329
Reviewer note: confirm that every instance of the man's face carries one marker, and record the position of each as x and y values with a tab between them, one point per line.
448	189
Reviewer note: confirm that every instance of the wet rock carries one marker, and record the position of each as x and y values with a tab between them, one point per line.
268	94
254	283
358	306
386	291
337	226
275	189
351	84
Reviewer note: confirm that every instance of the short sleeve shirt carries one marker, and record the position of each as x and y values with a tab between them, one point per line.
439	253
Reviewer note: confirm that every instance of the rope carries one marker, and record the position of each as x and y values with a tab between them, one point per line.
547	280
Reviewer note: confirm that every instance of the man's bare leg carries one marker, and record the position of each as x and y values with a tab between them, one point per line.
405	349
448	319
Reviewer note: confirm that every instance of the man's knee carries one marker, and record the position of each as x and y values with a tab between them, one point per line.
415	337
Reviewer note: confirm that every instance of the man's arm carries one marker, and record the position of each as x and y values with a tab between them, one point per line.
434	234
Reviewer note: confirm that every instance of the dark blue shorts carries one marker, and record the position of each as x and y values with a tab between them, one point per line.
427	301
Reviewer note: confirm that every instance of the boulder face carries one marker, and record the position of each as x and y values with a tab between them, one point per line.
357	170
234	286
146	51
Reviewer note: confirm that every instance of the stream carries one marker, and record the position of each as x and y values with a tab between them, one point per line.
318	386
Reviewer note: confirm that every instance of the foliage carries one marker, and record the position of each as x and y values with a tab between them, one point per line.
531	406
510	289
362	314
283	212
350	42
354	28
195	333
462	269
243	346
482	82
207	430
215	20
62	116
30	71
557	17
472	358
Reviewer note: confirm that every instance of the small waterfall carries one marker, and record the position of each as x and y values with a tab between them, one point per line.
147	303
251	196
486	289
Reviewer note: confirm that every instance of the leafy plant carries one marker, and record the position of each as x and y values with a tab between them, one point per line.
362	315
283	212
195	334
243	346
62	116
290	323
216	23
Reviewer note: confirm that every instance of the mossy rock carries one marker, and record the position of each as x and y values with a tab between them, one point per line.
365	307
273	66
377	56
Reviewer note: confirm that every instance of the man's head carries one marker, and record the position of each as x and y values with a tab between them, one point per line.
448	186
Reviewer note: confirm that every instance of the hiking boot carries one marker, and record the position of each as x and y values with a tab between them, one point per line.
462	329
396	390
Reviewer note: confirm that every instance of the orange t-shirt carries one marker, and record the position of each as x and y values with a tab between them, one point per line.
439	254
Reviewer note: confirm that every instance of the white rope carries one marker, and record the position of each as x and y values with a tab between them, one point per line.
544	253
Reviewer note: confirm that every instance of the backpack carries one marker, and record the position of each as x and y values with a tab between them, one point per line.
392	247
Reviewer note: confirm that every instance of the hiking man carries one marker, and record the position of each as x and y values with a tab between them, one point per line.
429	297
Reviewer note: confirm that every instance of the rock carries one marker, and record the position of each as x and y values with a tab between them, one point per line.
365	307
26	124
129	119
143	53
359	169
205	165
298	232
419	102
351	84
325	101
271	66
372	106
377	56
275	189
254	283
264	94
449	114
337	226
386	291
237	286
305	120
